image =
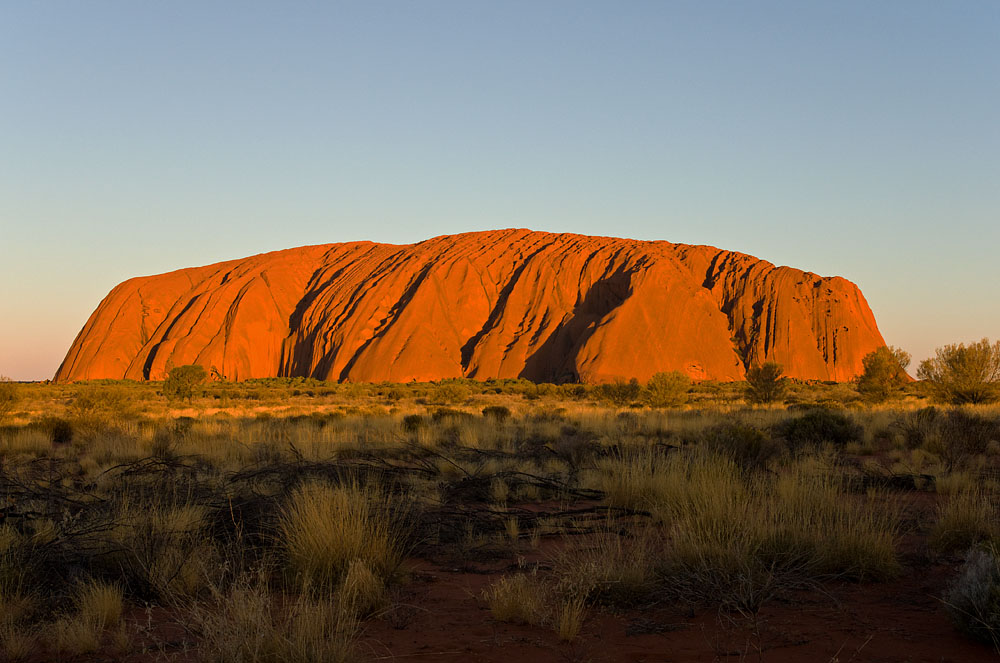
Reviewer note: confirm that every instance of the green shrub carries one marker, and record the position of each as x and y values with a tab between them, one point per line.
496	412
964	374
182	380
59	429
412	422
765	383
956	436
917	426
449	393
884	373
619	393
817	427
96	407
750	448
667	390
445	413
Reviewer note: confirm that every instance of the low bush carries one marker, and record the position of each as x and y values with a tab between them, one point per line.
765	383
973	599
413	422
955	436
752	449
497	413
182	381
819	426
619	393
666	390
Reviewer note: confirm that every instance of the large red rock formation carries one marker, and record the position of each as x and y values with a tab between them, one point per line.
501	304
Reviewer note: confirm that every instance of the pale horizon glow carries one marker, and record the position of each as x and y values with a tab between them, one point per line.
843	138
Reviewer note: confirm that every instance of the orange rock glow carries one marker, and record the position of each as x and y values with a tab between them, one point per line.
498	304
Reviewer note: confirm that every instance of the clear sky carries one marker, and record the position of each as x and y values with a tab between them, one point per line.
859	139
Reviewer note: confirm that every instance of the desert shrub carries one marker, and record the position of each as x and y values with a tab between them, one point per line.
973	599
60	429
957	436
917	426
9	397
496	412
884	373
443	413
325	528
667	390
158	547
964	374
96	407
819	426
182	380
413	422
619	393
765	383
449	393
752	449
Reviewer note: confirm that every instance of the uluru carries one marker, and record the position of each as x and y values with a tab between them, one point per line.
497	304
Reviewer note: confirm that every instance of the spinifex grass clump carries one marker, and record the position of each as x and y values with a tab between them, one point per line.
723	524
964	519
248	622
326	528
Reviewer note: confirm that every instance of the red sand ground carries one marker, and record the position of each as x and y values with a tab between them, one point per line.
441	618
438	615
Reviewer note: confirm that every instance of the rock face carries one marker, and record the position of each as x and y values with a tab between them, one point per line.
499	304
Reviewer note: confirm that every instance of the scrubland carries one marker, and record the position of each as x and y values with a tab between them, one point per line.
296	520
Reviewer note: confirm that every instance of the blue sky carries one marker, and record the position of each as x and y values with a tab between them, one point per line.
860	139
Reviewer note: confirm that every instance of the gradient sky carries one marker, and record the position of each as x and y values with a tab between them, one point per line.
860	139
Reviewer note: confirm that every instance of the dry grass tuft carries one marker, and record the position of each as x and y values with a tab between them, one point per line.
570	615
250	624
326	528
963	520
518	598
99	603
362	593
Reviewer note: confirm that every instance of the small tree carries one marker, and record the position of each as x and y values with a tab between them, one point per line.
182	380
884	374
765	383
964	373
667	389
9	396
